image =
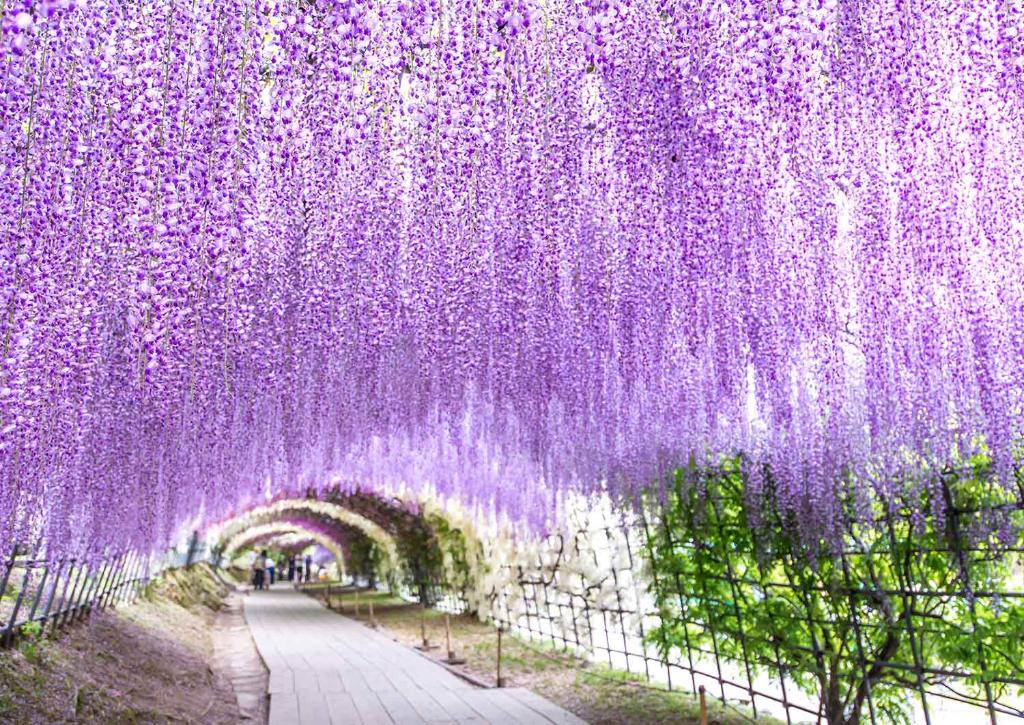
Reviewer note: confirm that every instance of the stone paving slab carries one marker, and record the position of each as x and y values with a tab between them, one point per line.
326	669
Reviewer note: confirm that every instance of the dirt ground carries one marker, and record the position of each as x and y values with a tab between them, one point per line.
150	662
593	692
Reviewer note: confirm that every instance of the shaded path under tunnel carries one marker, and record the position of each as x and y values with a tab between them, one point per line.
326	669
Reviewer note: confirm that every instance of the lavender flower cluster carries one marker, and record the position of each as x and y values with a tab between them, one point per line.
503	249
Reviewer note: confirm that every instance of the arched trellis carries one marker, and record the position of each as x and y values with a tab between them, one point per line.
261	532
438	537
295	510
423	543
292	543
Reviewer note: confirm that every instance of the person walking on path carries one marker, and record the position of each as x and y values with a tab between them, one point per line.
257	572
268	564
309	566
291	568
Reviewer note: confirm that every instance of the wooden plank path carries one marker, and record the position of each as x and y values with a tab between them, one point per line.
326	669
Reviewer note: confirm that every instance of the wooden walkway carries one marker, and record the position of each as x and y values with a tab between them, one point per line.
326	669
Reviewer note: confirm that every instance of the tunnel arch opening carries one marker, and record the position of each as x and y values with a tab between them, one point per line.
271	534
420	547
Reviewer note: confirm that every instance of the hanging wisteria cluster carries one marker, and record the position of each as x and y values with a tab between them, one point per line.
501	248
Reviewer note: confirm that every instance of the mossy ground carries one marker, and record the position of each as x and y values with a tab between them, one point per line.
594	692
144	663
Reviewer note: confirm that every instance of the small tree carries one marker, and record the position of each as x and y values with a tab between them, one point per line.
452	567
365	559
905	604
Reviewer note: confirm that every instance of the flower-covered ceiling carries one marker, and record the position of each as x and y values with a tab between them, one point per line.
500	249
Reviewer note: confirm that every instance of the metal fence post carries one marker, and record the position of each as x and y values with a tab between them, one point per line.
100	600
115	590
131	591
80	584
8	568
61	616
103	600
53	593
90	591
142	579
193	547
126	582
113	581
39	593
9	629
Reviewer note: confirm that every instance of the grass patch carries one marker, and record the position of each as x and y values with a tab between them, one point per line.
625	697
190	588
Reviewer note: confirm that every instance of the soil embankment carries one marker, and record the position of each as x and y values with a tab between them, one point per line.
173	656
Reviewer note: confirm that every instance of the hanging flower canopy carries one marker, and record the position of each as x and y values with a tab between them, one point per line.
501	249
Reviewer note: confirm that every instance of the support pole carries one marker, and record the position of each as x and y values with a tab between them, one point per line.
53	594
703	707
133	576
91	589
8	635
126	571
81	584
8	568
66	603
452	659
141	579
500	679
423	631
113	579
39	593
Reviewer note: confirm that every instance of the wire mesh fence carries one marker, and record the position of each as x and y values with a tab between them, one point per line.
907	621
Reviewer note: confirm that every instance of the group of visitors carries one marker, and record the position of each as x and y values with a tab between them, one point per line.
299	569
264	569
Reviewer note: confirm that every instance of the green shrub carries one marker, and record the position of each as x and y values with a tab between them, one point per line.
902	591
31	641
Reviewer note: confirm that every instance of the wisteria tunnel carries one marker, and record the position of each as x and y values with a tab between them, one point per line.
512	361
